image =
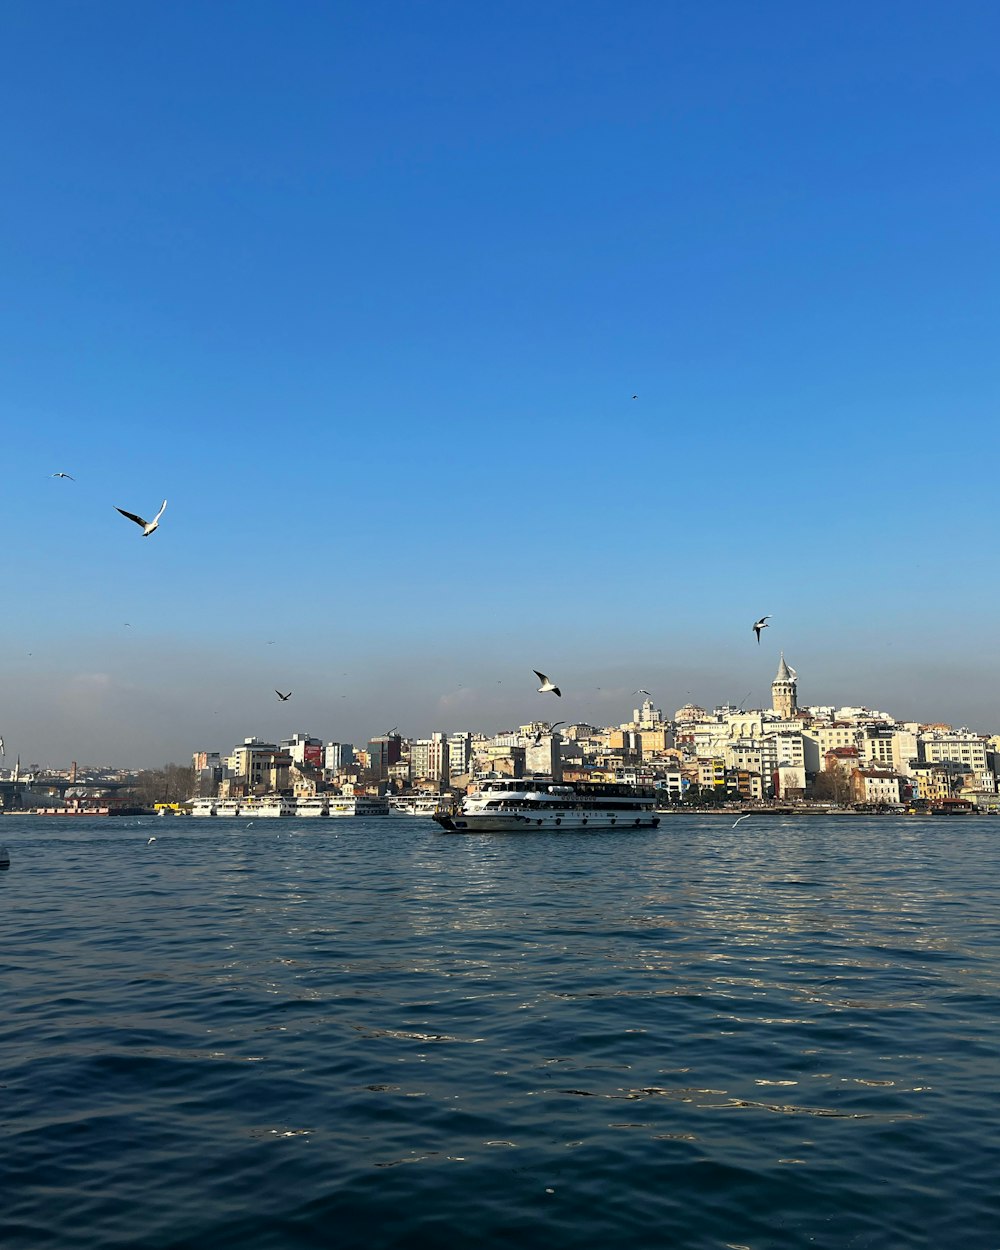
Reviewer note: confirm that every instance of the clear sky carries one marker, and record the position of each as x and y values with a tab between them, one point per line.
366	291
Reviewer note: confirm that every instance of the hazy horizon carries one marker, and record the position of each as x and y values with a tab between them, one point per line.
465	341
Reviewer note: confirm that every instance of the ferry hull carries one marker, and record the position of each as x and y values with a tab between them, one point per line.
564	822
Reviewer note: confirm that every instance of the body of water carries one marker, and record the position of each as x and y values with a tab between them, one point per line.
367	1033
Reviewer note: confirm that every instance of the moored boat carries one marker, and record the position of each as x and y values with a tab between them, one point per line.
356	805
422	805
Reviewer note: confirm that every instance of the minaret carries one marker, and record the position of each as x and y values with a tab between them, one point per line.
783	694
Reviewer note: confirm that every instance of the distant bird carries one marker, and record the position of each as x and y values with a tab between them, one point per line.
546	685
541	733
66	475
151	841
635	396
2	751
147	526
127	624
645	692
269	643
759	625
283	697
745	816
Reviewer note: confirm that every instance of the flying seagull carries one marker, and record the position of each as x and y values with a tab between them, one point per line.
2	751
635	396
151	841
541	733
645	692
67	475
546	685
147	526
283	697
745	816
759	625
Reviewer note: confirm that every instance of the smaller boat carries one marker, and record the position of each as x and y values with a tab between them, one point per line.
422	805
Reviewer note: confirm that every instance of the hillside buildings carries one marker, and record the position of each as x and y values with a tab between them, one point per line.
783	753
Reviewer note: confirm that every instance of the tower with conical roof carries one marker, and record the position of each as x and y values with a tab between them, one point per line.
784	696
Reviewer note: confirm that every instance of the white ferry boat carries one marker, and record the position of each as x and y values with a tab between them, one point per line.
229	807
356	805
503	805
422	805
269	806
315	805
203	807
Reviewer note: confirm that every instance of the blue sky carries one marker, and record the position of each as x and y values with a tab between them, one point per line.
366	291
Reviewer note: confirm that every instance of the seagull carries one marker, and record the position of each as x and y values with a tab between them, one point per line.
745	816
283	697
151	841
546	685
541	733
66	475
147	526
2	751
759	625
645	692
635	396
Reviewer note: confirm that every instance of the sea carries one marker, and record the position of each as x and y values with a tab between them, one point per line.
366	1032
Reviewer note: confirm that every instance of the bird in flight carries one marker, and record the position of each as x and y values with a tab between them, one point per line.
635	396
66	475
645	692
541	733
147	526
283	697
2	751
759	625
546	685
151	840
745	816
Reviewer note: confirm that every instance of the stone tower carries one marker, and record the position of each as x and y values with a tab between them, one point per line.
784	698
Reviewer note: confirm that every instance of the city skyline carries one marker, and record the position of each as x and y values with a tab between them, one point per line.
217	740
465	342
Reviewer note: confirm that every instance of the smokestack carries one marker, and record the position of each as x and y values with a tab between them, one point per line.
72	772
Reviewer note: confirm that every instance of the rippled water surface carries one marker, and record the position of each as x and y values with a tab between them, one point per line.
367	1033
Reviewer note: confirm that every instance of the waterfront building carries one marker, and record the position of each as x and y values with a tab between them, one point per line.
959	746
876	786
250	762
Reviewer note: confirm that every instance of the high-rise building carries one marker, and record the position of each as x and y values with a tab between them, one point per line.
460	754
383	752
337	755
430	758
304	750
